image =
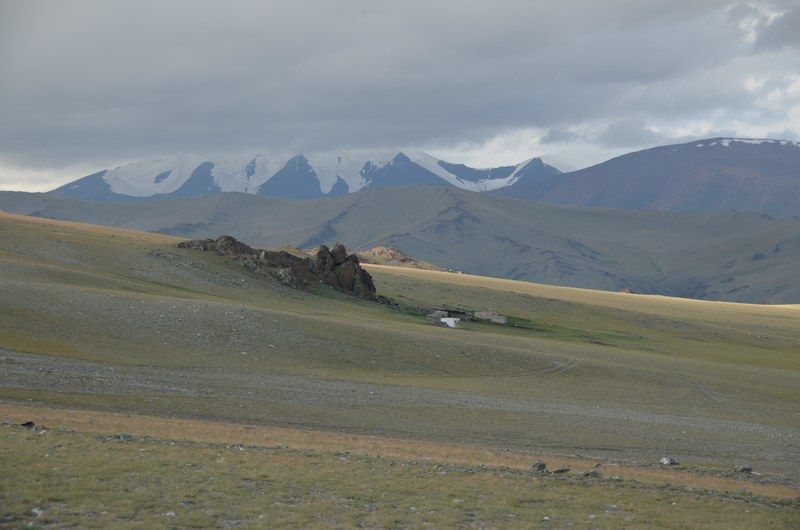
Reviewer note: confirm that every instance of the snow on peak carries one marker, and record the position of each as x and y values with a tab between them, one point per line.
331	166
246	174
728	142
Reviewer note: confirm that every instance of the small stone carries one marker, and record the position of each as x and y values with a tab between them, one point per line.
562	469
668	461
539	467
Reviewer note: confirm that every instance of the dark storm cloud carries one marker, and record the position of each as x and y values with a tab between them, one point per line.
95	80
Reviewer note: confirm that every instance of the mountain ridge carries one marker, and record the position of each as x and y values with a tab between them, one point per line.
718	174
303	176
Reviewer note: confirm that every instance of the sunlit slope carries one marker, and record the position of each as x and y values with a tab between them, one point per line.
118	320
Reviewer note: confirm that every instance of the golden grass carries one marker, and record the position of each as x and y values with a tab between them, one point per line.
662	305
85	228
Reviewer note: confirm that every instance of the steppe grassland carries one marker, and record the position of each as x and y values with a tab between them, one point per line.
608	340
714	341
574	345
609	335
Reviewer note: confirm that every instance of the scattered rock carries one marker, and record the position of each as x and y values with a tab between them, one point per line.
744	468
592	473
562	469
393	256
28	425
668	461
539	467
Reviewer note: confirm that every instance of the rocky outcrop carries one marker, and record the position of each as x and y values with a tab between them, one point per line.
224	246
395	257
342	271
332	267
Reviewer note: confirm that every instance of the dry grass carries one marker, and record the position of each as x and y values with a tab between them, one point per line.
87	421
99	470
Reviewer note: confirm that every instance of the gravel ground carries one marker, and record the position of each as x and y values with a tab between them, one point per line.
513	422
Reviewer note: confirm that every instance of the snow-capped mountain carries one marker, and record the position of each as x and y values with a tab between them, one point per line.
301	177
719	174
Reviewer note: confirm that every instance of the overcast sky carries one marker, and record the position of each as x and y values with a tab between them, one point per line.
89	85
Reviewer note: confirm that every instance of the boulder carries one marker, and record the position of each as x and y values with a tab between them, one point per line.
342	271
339	254
539	467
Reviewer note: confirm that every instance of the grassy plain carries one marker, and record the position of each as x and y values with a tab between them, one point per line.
179	390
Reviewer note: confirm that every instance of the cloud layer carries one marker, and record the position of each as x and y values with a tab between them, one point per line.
87	84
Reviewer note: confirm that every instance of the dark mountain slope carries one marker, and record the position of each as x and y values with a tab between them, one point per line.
295	180
400	171
760	176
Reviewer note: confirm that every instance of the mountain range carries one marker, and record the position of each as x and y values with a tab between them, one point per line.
720	174
300	177
716	219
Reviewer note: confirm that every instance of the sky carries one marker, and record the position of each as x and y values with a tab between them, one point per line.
87	85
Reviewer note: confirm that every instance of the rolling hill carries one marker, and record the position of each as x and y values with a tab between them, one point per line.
725	256
151	385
